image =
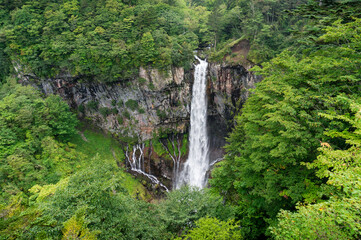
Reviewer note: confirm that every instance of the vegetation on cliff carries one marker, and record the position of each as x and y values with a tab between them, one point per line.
108	40
292	168
306	101
59	184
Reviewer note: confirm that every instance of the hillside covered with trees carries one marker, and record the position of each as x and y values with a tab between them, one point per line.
293	159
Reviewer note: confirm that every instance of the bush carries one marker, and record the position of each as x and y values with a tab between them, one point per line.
100	204
114	111
142	80
120	120
214	229
81	108
126	114
104	111
151	86
161	114
92	105
132	104
186	205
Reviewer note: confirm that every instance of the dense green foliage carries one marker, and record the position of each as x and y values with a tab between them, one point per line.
338	217
212	228
93	202
108	40
33	132
282	125
183	207
264	23
97	192
52	189
292	169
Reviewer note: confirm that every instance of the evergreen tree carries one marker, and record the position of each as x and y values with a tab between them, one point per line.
281	126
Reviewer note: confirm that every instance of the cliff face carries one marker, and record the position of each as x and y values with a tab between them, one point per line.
228	89
154	109
138	108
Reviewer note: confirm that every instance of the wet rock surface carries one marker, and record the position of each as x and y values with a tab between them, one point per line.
153	103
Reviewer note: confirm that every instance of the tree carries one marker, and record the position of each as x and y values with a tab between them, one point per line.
32	135
281	127
108	40
148	52
337	217
92	202
185	206
213	229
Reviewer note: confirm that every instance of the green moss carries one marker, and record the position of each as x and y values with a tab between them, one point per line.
110	152
114	111
161	114
184	147
81	108
104	111
151	86
126	114
92	105
132	104
142	80
158	147
120	103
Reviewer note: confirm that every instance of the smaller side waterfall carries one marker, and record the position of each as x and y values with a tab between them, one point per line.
136	161
173	147
195	168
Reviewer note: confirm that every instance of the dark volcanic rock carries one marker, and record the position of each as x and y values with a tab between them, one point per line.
155	103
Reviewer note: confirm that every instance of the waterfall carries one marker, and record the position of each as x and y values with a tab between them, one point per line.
136	161
195	169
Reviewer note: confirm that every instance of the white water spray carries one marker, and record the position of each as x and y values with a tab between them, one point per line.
195	168
136	161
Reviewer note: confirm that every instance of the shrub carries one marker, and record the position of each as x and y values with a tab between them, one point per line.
92	105
212	228
120	120
161	114
132	104
81	108
126	114
120	103
151	86
183	207
114	111
142	80
104	111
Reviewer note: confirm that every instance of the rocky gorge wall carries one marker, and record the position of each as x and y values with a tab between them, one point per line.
228	89
154	109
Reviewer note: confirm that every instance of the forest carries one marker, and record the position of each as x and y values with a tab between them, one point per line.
292	163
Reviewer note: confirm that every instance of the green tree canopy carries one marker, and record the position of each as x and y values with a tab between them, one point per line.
281	125
33	134
338	217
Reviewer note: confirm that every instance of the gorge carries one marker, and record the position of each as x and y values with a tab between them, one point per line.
111	128
196	167
150	115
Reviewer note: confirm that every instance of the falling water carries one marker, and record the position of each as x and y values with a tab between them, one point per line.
136	161
196	167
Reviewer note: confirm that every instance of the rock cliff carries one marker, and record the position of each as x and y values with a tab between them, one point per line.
154	109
